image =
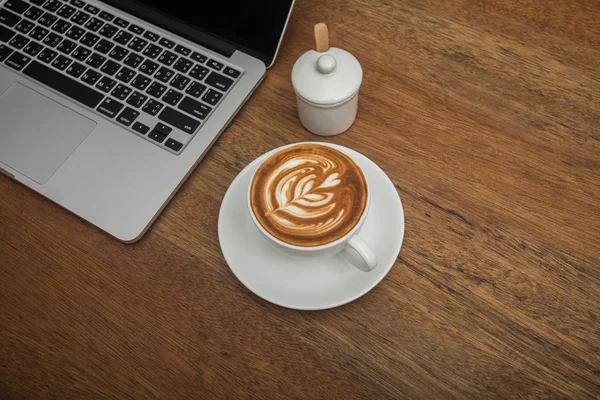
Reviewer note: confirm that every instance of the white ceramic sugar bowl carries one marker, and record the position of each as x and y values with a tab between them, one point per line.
326	85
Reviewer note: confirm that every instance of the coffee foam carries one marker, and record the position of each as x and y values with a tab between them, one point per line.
308	194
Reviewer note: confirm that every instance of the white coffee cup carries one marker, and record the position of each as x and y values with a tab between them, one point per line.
351	240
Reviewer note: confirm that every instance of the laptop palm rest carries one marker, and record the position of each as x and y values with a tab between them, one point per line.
37	134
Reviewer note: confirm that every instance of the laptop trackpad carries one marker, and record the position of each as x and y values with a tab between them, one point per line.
37	134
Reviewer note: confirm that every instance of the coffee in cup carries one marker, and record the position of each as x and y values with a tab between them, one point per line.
310	199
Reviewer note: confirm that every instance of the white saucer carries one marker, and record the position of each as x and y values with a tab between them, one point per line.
309	284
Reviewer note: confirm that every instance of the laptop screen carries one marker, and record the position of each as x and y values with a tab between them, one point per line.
252	25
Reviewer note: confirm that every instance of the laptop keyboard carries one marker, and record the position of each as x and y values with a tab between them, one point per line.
156	88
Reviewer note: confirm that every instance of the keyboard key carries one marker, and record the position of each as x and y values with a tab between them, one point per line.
172	97
6	34
137	99
91	77
106	16
136	29
182	65
61	62
66	11
24	26
53	5
95	60
63	84
156	89
110	107
121	92
167	58
125	75
137	44
152	51
152	107
118	53
33	49
231	72
76	69
121	22
133	60
162	128
37	2
157	136
214	64
103	46
196	89
179	120
77	3
19	41
110	67
81	53
194	108
180	82
106	84
75	33
17	60
164	74
151	36
148	67
140	128
94	24
212	97
66	46
123	37
89	39
140	82
38	33
108	31
47	20
80	17
166	43
219	81
61	26
33	13
5	51
198	57
91	9
128	116
173	144
47	55
199	72
52	40
17	6
8	18
182	50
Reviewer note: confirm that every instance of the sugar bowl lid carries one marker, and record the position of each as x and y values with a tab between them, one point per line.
326	76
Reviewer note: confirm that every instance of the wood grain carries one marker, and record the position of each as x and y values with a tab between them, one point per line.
485	116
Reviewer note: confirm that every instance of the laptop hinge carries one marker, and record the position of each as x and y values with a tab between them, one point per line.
205	39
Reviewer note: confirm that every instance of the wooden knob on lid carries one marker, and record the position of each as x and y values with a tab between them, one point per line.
321	37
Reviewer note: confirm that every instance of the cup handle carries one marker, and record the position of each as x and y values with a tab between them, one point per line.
364	251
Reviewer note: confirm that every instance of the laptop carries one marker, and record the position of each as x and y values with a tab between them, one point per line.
106	107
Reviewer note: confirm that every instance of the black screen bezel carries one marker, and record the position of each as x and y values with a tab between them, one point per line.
192	32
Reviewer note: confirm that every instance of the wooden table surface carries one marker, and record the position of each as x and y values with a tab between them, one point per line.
485	115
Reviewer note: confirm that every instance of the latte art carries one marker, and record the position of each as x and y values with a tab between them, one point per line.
308	194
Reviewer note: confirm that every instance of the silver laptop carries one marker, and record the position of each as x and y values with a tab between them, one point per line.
107	106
